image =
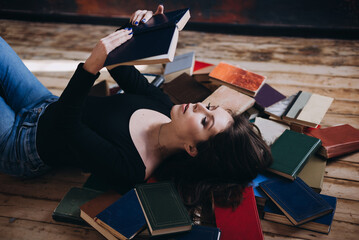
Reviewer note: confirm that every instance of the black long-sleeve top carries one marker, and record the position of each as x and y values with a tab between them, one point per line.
93	132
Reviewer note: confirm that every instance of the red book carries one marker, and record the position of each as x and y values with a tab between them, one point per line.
202	67
243	223
337	140
237	78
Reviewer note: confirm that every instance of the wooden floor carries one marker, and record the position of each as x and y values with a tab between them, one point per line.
327	67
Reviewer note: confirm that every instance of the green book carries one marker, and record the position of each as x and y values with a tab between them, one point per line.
68	209
290	153
163	208
313	173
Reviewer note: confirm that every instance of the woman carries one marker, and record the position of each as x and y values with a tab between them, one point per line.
124	137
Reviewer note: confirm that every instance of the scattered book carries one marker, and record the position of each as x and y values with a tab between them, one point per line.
184	89
90	209
313	172
198	232
270	130
321	224
290	153
308	109
68	209
241	223
296	200
337	140
231	99
153	42
163	208
261	197
123	218
267	96
181	64
278	109
202	68
237	78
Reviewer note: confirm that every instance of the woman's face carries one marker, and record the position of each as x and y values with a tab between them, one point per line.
197	122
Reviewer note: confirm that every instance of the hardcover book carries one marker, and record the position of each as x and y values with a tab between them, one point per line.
202	67
308	109
261	197
68	209
296	200
124	218
181	64
90	209
153	42
241	223
237	78
337	140
184	89
267	96
278	109
198	232
270	130
290	153
228	98
313	173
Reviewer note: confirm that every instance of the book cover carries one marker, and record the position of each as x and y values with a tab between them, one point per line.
181	64
228	98
313	173
124	218
290	153
152	42
267	96
184	89
198	232
68	209
90	209
321	224
237	78
278	109
243	223
296	199
297	106
261	197
163	208
337	140
202	67
270	130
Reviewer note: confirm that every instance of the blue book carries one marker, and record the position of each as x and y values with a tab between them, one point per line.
296	199
321	224
259	194
124	218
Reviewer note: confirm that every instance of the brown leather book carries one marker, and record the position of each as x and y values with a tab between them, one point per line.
237	78
337	140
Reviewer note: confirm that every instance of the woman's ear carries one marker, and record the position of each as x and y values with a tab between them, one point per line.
191	150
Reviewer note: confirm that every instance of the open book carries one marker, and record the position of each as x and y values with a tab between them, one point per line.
153	42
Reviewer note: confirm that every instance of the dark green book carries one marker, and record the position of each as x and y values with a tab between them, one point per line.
163	208
68	209
290	153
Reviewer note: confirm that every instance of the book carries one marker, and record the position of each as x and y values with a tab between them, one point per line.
241	223
163	208
252	113
181	64
198	232
260	196
336	140
290	153
267	96
202	67
313	172
153	42
321	224
308	109
184	89
231	99
278	109
296	199
270	130
68	210
90	209
123	218
237	78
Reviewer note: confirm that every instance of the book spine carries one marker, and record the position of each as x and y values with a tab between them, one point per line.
291	104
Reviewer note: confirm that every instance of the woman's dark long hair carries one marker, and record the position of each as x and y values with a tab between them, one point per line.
223	167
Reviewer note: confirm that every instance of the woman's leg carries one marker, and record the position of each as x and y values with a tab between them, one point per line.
19	87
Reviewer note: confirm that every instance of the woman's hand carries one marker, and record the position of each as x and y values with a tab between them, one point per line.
144	15
99	54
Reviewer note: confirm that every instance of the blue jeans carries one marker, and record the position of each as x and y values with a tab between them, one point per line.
23	100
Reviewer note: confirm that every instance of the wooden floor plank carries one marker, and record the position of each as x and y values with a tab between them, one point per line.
342	170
